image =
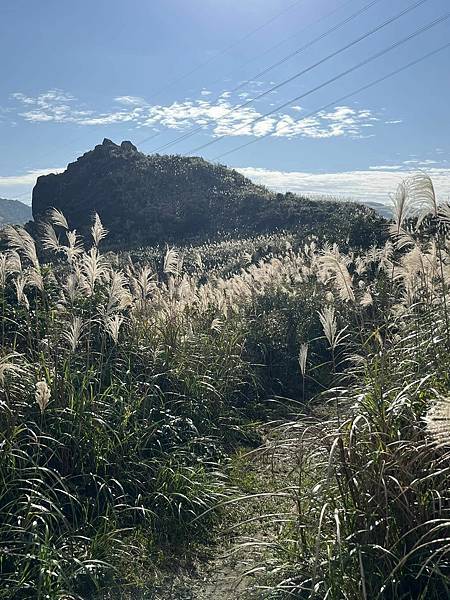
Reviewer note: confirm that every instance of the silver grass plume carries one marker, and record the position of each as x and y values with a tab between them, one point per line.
3	269
33	278
75	283
142	283
113	325
366	299
42	395
444	213
14	264
399	207
302	358
216	325
402	210
199	261
328	320
171	262
361	265
383	257
423	196
73	334
93	268
329	324
415	197
49	239
57	218
8	366
334	267
437	421
74	247
19	284
98	231
118	296
20	240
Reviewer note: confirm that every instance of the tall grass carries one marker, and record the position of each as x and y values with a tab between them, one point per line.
126	381
119	394
370	506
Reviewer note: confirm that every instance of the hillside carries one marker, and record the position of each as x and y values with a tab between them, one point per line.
14	212
144	200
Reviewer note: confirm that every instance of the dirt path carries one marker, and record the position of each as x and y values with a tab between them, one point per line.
233	568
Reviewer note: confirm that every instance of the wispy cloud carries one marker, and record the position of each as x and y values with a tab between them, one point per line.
220	117
20	186
54	105
28	178
386	167
373	185
130	100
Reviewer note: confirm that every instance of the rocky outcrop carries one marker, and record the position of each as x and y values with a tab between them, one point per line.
145	200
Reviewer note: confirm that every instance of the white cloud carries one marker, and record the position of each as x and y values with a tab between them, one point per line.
121	116
20	186
54	105
28	178
386	167
341	121
220	117
130	100
370	185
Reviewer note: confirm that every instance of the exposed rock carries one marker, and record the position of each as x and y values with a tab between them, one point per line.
125	145
156	199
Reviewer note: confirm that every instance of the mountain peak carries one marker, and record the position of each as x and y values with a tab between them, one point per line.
108	142
14	212
126	145
145	200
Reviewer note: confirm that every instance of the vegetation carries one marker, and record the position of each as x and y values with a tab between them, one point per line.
13	211
145	200
368	491
128	380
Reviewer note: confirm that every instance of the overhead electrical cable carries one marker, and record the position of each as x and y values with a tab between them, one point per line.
304	71
289	37
333	79
284	59
342	98
228	48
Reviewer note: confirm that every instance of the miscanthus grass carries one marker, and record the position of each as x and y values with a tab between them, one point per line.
368	486
126	381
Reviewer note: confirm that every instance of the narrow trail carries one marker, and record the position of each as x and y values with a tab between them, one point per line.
243	554
251	528
228	574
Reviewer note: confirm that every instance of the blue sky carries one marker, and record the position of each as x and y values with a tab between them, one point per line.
74	73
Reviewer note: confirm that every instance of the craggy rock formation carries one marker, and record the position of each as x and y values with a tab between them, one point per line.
145	200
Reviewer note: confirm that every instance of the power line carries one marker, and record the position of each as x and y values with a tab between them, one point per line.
427	27
346	97
228	48
306	70
294	35
216	55
321	37
254	77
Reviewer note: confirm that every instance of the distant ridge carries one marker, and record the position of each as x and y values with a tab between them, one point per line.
146	200
382	209
14	212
